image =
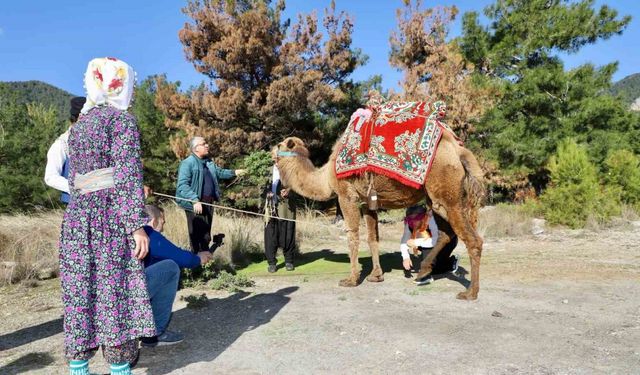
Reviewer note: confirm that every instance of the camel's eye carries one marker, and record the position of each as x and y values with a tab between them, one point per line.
290	144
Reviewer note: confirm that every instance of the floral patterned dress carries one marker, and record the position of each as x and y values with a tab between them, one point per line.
103	286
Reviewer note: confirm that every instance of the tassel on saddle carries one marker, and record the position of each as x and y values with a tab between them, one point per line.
372	196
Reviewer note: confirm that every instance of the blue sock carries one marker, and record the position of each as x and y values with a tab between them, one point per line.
79	367
120	368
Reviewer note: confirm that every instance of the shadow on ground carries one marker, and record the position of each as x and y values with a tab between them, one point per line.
27	335
460	276
28	362
388	262
212	329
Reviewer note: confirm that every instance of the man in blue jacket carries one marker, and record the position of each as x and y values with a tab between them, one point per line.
162	268
198	183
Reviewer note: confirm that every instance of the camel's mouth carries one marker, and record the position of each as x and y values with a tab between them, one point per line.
274	152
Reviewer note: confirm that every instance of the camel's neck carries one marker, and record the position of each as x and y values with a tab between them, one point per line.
299	174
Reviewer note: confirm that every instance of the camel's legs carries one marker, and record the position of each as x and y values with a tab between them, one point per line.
444	237
466	231
371	218
351	213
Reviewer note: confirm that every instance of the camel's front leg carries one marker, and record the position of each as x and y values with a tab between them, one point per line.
351	214
371	218
426	266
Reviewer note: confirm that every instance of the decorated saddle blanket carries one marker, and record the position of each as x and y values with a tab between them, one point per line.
400	142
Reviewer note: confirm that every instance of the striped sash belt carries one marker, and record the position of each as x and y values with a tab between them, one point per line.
98	179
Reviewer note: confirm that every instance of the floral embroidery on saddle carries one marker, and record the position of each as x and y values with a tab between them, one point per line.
396	139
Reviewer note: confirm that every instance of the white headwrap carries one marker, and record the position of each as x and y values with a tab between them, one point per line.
108	81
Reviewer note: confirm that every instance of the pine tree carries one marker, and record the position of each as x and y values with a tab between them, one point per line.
541	103
574	193
623	172
159	161
28	131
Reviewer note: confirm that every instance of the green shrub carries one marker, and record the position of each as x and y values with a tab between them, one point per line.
230	282
199	275
623	174
245	193
574	194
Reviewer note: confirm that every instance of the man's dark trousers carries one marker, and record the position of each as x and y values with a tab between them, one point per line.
279	233
200	228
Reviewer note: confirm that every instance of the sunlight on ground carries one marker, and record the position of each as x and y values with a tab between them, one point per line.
323	262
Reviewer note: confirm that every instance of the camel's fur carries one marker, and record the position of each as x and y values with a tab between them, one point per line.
453	188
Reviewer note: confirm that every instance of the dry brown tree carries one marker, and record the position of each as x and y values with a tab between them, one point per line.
434	67
268	78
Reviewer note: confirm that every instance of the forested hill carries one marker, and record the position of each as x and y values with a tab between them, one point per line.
628	88
36	92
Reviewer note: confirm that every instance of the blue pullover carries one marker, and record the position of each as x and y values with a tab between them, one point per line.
160	248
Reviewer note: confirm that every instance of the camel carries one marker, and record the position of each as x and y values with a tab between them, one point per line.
453	189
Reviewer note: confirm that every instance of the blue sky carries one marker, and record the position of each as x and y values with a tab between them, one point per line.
52	41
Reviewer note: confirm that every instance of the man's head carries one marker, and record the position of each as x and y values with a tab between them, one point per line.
156	216
199	147
76	107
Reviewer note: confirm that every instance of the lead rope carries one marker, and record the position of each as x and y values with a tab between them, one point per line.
238	210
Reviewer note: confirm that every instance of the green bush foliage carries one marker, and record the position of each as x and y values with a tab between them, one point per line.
199	275
160	163
541	103
623	173
574	194
26	132
245	193
230	282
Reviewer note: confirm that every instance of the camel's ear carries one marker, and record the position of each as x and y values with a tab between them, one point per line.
291	144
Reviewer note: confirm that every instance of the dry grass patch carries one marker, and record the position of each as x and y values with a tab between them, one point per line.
243	234
29	243
314	226
504	221
29	246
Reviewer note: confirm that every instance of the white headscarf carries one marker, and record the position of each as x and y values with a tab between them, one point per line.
108	81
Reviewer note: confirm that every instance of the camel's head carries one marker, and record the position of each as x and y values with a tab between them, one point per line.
291	146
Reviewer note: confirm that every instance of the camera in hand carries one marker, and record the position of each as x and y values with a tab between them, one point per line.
216	242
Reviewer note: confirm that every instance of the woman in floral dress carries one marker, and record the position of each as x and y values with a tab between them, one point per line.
103	284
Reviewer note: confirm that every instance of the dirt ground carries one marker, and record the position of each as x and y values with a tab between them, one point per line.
563	302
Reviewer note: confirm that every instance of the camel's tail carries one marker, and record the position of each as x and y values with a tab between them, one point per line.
473	186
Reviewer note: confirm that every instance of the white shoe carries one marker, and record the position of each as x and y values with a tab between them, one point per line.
424	281
455	264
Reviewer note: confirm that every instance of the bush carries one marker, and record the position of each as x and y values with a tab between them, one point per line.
230	282
246	192
575	194
623	174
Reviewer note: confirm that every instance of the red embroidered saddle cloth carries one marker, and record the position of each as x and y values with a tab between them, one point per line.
399	143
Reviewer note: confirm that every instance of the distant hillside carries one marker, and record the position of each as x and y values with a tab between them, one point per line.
628	88
36	92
